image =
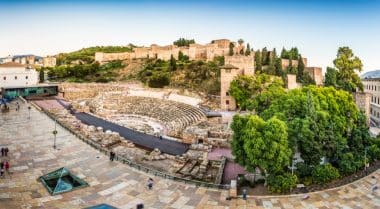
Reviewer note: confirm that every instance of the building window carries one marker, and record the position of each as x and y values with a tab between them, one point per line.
26	77
15	77
5	78
227	93
227	102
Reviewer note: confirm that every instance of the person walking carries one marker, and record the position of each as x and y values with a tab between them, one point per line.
112	155
2	151
6	168
150	183
6	150
244	194
1	168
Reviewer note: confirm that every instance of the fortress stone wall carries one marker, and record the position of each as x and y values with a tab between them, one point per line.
194	51
234	66
316	74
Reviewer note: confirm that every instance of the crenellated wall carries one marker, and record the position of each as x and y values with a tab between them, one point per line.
194	51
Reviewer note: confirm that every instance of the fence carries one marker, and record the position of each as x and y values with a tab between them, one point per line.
136	165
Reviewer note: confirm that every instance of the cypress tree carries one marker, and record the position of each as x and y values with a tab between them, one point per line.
258	61
248	50
300	69
264	56
231	52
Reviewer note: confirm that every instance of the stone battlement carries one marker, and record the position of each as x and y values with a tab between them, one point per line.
193	51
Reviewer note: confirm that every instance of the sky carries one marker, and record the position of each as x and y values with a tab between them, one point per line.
317	28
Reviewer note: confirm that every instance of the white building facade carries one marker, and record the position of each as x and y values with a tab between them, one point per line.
15	75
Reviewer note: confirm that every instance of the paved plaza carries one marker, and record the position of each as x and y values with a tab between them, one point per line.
32	155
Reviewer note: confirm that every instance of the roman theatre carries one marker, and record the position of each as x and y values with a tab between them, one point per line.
166	130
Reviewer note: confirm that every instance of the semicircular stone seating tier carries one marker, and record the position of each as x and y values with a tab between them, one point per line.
176	116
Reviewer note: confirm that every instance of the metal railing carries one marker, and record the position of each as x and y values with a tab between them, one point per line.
136	165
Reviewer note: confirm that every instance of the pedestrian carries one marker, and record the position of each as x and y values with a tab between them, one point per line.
150	183
112	155
160	137
6	166
2	151
374	188
1	168
6	150
244	194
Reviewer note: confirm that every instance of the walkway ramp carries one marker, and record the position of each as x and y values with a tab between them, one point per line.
138	138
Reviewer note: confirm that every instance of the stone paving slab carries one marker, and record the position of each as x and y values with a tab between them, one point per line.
32	155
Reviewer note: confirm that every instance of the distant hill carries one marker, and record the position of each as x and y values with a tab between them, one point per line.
86	55
371	74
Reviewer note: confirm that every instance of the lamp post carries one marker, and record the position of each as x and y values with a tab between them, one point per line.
365	160
293	160
55	133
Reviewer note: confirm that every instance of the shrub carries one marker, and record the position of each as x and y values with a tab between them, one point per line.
303	170
158	80
324	173
374	152
281	183
348	163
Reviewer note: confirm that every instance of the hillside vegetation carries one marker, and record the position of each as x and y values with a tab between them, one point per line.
87	55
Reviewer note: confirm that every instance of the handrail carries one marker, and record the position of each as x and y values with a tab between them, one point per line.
136	165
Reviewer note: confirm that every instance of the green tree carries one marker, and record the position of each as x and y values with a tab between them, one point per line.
183	42
258	62
231	49
265	144
42	75
172	63
271	69
348	64
278	66
300	69
255	92
182	57
248	50
264	56
321	121
331	77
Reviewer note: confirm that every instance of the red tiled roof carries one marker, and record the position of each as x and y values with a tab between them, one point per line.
12	64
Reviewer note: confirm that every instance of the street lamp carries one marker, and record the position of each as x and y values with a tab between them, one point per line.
365	160
55	133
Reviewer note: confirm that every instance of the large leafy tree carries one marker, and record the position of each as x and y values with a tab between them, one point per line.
264	143
348	65
256	92
319	120
330	77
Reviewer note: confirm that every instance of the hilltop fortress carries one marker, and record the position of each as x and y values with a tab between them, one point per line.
237	64
207	52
